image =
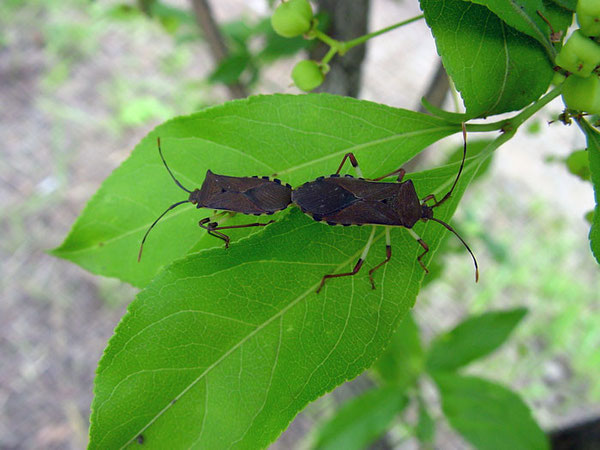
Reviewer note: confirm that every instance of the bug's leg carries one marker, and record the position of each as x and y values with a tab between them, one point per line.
354	163
357	267
248	225
429	197
213	224
401	172
212	228
388	256
423	244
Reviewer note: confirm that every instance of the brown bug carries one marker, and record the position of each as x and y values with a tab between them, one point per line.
347	200
246	195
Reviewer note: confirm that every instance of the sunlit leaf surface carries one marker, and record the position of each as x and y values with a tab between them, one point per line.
224	348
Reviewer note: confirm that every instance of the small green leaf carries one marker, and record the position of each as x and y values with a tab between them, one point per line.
231	68
224	348
593	150
473	338
451	117
425	430
496	68
238	31
488	415
361	420
296	137
567	4
578	164
403	360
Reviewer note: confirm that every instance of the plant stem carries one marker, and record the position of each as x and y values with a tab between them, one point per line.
330	54
518	120
216	42
345	46
328	40
510	126
342	47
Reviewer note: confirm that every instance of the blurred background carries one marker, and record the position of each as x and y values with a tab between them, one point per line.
81	82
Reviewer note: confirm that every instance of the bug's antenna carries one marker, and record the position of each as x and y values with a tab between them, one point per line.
448	227
155	222
462	164
170	173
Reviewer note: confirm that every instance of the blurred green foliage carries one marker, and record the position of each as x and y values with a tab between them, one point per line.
472	406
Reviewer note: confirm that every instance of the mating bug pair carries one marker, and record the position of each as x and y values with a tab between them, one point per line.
336	200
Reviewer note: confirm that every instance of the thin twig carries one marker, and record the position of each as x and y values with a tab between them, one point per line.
215	41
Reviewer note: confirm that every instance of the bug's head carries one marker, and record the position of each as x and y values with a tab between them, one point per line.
426	212
194	197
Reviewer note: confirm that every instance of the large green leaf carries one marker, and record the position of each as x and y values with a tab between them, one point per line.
361	420
224	348
522	15
593	148
495	67
472	339
297	137
488	415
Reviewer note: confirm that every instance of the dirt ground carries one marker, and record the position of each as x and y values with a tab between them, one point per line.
59	141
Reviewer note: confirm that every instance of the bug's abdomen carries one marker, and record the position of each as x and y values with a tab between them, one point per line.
321	198
341	201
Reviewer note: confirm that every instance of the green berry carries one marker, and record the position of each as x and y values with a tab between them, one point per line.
292	18
588	17
590	25
582	94
307	75
589	7
580	55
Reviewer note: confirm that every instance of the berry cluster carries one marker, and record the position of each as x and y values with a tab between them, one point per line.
293	18
580	56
